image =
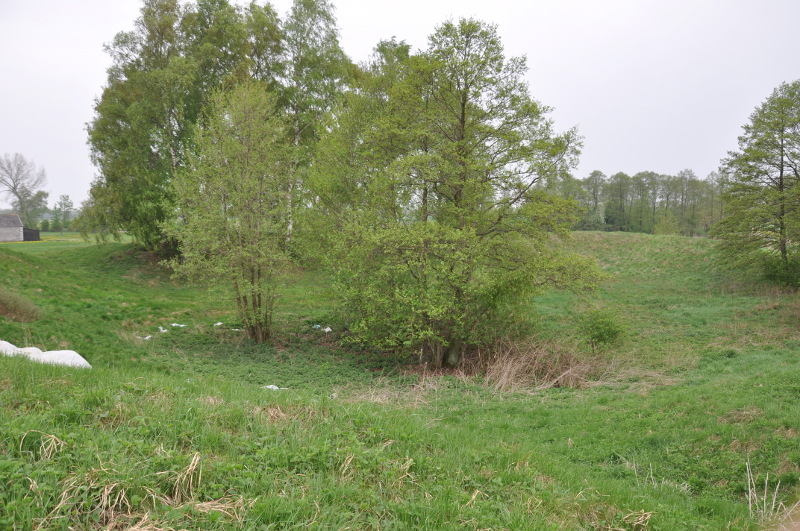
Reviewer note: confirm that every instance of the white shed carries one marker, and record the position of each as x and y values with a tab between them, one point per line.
11	228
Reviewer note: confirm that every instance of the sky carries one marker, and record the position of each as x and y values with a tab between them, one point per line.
651	85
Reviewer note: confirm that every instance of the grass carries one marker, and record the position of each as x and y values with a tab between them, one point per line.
688	423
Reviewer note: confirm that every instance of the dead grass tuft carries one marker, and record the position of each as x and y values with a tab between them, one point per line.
40	445
790	519
743	415
212	401
93	493
234	507
187	480
145	525
413	396
272	414
531	364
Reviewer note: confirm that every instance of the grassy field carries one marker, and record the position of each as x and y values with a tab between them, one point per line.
682	425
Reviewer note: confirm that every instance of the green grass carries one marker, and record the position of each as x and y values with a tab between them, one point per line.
178	431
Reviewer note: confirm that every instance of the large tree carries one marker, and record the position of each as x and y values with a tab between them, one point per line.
762	223
21	181
232	208
158	86
431	177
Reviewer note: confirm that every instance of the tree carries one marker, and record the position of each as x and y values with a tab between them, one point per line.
762	222
430	177
62	213
231	204
617	210
315	72
158	87
20	179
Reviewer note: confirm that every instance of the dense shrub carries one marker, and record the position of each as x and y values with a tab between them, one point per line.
601	327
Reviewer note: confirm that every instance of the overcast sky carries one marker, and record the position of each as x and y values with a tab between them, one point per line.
659	85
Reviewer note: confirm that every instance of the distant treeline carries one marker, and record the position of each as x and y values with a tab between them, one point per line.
646	202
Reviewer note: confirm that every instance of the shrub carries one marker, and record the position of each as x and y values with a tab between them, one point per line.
601	327
17	308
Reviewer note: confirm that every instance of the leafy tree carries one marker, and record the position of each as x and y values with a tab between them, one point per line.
617	211
158	87
762	222
20	179
62	213
430	179
314	73
231	201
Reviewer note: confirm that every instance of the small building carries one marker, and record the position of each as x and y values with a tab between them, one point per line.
11	230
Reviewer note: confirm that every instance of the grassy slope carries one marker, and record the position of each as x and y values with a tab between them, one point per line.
706	381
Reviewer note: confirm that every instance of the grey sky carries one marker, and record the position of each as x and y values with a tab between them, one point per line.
658	85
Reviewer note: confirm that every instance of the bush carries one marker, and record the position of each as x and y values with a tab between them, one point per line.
17	308
601	327
782	273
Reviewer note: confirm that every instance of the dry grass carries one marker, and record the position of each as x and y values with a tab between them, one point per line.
271	413
40	445
790	520
764	505
186	481
103	495
531	364
17	308
95	492
380	394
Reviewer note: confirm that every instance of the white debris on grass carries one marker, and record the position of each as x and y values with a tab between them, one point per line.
145	338
218	324
274	388
55	357
162	329
327	329
178	325
316	327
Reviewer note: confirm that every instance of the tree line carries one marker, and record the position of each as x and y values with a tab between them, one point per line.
646	202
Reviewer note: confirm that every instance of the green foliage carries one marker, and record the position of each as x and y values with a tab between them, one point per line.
601	327
762	222
232	206
667	225
159	88
427	193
